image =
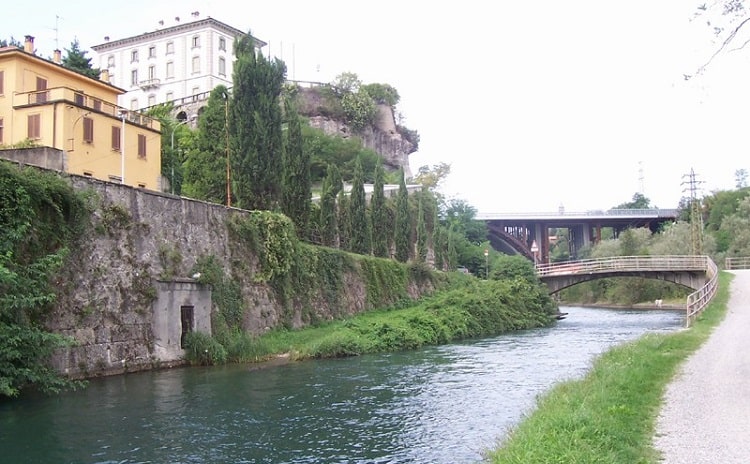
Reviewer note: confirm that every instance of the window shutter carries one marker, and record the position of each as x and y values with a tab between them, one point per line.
116	138
141	145
88	130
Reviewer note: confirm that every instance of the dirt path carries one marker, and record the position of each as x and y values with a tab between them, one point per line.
705	417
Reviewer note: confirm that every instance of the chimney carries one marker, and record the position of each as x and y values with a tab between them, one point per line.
57	56
28	45
104	75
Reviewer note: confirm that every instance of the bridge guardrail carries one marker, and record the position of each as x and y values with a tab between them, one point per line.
695	302
737	263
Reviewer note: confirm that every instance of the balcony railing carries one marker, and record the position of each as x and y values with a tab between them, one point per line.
150	84
82	100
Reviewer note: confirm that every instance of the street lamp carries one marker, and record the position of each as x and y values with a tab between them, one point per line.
123	113
192	118
487	264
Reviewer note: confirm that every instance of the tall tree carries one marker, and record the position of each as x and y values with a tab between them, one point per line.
328	219
205	168
361	234
421	230
379	215
76	60
255	127
297	187
402	234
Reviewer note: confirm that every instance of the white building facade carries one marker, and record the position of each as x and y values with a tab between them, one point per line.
173	63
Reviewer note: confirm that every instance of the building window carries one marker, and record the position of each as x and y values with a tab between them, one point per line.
222	67
170	96
2	86
170	70
88	173
111	61
141	146
151	100
196	64
1	131
170	48
222	43
196	41
152	72
141	185
134	77
152	51
196	91
116	138
78	98
88	130
134	56
134	104
34	125
41	84
97	105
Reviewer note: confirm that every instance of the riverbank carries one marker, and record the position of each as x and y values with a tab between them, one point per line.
473	308
609	416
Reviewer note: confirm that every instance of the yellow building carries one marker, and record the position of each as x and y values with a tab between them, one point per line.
47	104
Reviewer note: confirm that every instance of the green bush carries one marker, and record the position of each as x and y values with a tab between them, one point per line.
202	349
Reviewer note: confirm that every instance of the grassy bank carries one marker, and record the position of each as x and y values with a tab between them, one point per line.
473	308
610	415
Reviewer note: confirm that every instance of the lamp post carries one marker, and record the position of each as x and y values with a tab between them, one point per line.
486	264
171	182
123	113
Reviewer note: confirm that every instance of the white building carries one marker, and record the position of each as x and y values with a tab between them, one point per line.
174	63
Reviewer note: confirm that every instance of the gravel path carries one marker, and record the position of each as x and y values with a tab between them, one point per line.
705	417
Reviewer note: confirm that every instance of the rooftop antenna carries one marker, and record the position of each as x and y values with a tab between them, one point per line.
57	32
640	177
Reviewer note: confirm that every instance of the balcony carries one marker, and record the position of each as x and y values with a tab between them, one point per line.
149	84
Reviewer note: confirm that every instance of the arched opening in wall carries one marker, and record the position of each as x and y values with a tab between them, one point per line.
200	111
182	116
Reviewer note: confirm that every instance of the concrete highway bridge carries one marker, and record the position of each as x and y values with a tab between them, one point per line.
696	272
528	234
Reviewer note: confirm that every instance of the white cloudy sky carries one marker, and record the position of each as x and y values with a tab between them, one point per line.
534	104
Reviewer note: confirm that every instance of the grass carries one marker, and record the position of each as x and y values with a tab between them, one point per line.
610	415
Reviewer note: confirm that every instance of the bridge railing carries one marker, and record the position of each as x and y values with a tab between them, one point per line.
699	299
626	263
737	263
695	302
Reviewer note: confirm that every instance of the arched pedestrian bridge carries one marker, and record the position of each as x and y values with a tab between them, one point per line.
697	272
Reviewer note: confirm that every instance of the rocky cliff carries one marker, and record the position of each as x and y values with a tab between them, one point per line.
385	137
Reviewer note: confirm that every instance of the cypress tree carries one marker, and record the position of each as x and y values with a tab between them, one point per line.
402	234
344	221
205	169
328	220
421	229
361	233
379	215
255	127
297	186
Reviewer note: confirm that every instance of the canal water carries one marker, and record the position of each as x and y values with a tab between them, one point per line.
443	404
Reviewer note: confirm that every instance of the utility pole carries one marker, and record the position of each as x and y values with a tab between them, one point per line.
696	215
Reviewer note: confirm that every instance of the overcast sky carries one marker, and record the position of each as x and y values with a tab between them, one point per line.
535	105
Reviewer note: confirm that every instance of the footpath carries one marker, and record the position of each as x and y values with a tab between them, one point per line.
705	417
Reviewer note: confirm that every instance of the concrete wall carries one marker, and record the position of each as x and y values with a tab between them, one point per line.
43	157
167	324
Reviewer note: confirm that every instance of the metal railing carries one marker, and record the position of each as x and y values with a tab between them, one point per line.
737	263
610	213
695	302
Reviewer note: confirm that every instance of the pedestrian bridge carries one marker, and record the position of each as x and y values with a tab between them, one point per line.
697	272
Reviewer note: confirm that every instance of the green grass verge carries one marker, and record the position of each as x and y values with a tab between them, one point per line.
610	415
474	308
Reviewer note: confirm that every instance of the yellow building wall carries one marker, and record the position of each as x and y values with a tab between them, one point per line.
68	100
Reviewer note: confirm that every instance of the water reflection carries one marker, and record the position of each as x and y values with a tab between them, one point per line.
441	404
